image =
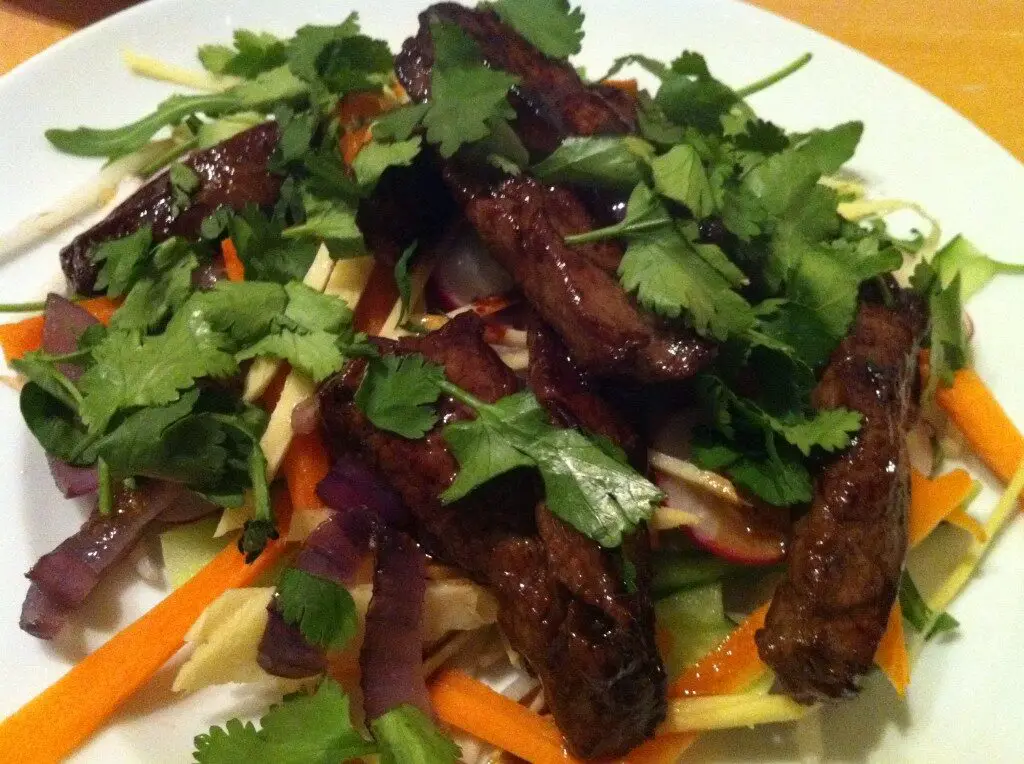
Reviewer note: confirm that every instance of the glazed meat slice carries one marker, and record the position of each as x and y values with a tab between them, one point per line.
523	223
551	101
570	396
830	612
563	605
233	173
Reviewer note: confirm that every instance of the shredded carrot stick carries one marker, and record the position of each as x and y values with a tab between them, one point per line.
352	142
305	464
728	668
932	500
473	707
985	425
26	336
664	749
891	655
233	265
355	111
376	301
64	715
630	86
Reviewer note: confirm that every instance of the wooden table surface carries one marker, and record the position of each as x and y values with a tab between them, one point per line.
970	53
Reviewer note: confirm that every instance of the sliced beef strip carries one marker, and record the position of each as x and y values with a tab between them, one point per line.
523	223
233	173
830	612
562	603
571	397
551	101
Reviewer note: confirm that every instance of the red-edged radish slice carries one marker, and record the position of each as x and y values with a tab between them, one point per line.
740	533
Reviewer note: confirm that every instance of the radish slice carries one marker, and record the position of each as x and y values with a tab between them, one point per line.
741	534
466	272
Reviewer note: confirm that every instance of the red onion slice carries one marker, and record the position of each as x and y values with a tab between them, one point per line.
334	551
391	659
63	578
306	415
71	480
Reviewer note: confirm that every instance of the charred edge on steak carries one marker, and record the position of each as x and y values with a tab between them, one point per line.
233	174
829	614
562	603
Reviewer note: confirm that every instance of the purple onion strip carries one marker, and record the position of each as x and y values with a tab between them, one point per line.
392	656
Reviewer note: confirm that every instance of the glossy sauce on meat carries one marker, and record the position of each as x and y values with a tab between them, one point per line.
828	615
563	605
233	174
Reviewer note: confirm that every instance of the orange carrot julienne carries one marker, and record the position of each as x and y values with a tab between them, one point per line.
985	425
233	265
355	111
305	464
473	707
961	519
728	668
27	335
932	500
891	655
376	301
63	716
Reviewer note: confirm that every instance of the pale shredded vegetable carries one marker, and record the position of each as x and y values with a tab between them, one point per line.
155	69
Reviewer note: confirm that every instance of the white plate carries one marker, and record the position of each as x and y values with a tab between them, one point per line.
966	695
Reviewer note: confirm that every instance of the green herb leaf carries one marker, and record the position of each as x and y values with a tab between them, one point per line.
405	734
184	182
305	729
403	279
397	394
961	258
918	614
315	353
322	609
465	95
121	260
338	59
680	175
331	221
375	157
266	253
549	25
603	161
56	426
253	53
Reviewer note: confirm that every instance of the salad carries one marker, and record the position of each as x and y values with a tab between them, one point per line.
475	365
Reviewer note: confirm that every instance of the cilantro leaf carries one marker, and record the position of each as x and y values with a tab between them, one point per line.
305	729
680	176
315	353
130	370
464	94
962	258
689	95
253	53
828	429
338	59
184	182
243	310
397	392
56	426
598	495
494	443
549	25
121	260
668	276
162	291
376	157
644	212
266	253
406	734
399	124
331	221
322	609
604	161
312	310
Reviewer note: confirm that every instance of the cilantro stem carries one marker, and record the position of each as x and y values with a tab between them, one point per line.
619	229
461	395
106	499
771	79
260	488
161	160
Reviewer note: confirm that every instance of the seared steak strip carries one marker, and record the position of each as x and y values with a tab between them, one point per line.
551	101
562	603
233	174
573	288
830	612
